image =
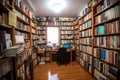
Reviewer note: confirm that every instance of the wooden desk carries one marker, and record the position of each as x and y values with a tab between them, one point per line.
54	51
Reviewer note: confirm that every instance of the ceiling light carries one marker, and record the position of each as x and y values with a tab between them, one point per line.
57	7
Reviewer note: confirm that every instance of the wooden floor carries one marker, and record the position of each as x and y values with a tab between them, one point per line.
72	71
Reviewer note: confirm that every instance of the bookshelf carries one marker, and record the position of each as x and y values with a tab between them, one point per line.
6	69
85	31
99	35
76	39
65	25
17	22
41	36
106	39
66	35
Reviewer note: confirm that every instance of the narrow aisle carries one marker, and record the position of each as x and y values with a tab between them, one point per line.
72	71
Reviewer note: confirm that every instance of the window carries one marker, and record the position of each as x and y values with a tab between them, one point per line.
52	36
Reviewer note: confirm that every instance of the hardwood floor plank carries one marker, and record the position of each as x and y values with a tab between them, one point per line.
72	71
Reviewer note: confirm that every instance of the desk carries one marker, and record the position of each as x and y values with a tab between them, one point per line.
53	51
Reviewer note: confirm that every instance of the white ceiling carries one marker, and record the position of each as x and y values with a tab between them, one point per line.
72	9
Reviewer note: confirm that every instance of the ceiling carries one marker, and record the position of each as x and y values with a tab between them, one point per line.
41	8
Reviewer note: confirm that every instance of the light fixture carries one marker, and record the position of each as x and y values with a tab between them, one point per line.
57	5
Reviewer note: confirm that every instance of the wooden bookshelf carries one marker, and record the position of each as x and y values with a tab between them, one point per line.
25	26
96	43
109	50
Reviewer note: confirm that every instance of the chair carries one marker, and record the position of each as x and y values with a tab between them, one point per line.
62	56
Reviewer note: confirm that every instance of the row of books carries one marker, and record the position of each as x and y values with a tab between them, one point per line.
41	28
75	22
107	41
34	55
95	2
25	35
87	58
109	71
42	37
76	36
104	5
55	23
99	76
55	19
86	33
3	18
109	14
86	25
66	41
5	67
33	24
34	36
66	32
108	28
66	28
77	41
42	46
20	15
21	72
22	26
41	32
21	5
88	16
86	65
66	36
35	62
33	31
22	58
41	41
87	49
86	40
5	38
110	56
76	32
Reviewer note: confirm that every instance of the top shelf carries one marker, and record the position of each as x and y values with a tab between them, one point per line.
108	7
21	11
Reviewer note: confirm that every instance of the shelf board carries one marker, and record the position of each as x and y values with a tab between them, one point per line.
85	21
108	7
117	66
67	34
23	21
86	29
107	34
4	26
86	53
107	48
21	11
86	44
85	14
67	39
85	36
55	21
3	8
56	25
113	19
66	30
22	30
